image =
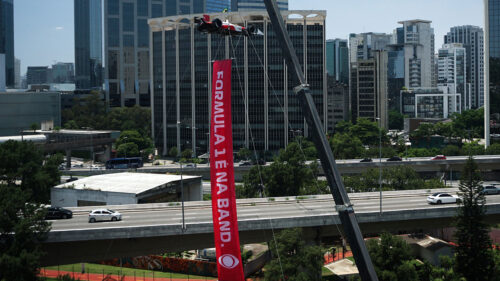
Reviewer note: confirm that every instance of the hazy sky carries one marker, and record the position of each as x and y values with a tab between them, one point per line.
44	28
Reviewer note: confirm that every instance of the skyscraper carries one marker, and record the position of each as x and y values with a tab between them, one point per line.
88	44
452	66
472	39
418	39
252	5
491	69
217	6
337	59
266	112
7	39
126	45
368	76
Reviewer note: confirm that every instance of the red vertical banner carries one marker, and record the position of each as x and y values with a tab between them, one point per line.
227	240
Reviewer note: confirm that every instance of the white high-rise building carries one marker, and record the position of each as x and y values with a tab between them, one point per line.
452	63
418	39
472	39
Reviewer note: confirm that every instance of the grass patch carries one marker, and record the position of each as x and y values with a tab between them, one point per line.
115	270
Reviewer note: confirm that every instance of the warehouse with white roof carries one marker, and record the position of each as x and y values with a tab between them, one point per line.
126	188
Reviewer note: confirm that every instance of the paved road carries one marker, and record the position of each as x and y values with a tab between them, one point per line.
251	209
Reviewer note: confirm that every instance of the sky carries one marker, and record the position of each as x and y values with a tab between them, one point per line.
44	29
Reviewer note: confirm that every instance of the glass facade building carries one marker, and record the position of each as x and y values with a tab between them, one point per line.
337	60
218	6
472	39
429	102
252	5
492	68
265	111
7	39
88	44
126	46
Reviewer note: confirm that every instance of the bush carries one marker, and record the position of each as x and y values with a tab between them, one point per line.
493	149
472	148
451	150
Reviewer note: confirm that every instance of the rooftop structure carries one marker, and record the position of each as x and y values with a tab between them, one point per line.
125	188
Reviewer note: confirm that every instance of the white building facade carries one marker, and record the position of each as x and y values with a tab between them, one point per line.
472	39
452	72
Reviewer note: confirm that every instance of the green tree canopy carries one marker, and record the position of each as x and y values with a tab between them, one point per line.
128	149
22	228
23	165
346	146
396	120
132	136
474	259
297	261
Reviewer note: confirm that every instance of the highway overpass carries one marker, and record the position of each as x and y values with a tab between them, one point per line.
157	228
488	164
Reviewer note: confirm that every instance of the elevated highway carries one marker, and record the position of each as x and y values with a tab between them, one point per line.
487	164
156	228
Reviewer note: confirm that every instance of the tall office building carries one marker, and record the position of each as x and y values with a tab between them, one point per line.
17	73
252	5
418	38
218	6
338	103
395	74
368	76
337	60
452	69
126	45
491	69
7	39
88	44
472	38
265	110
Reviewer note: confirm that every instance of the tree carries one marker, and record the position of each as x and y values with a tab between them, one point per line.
469	123
451	150
288	175
391	257
34	127
424	131
396	120
474	259
24	166
128	149
493	149
244	153
173	152
368	132
22	229
297	262
346	146
187	153
132	136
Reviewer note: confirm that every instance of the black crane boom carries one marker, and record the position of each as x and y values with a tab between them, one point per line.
342	202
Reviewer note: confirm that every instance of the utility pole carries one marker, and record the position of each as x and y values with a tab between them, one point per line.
342	202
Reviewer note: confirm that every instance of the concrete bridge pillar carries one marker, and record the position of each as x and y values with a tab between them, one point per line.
68	159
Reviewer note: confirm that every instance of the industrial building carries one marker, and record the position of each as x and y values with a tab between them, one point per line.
126	188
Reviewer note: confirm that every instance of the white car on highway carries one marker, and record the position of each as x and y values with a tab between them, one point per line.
442	198
104	215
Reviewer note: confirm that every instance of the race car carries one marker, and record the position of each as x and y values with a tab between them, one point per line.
223	28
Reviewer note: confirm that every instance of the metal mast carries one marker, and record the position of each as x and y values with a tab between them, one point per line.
342	202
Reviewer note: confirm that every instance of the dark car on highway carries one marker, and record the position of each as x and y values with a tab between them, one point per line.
395	158
58	213
366	160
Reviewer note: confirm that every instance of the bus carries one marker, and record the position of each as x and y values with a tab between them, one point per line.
124	163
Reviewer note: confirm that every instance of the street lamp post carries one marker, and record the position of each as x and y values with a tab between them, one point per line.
182	199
